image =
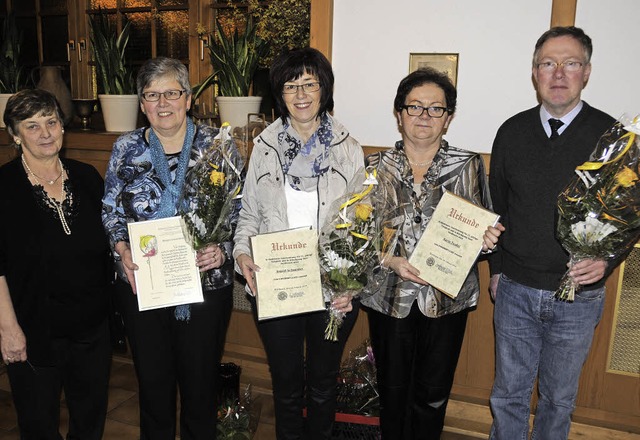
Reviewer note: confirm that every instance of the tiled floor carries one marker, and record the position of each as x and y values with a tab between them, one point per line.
464	421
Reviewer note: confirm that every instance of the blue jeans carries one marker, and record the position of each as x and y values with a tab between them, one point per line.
536	335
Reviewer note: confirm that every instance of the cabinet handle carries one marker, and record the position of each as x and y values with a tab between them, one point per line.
82	43
201	40
71	45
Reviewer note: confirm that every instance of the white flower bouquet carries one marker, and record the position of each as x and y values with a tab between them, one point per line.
599	211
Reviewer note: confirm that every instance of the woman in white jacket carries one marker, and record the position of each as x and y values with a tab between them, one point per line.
299	165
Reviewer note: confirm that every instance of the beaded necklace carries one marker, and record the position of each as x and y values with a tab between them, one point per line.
56	205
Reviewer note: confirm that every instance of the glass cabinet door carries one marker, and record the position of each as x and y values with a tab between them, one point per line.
56	33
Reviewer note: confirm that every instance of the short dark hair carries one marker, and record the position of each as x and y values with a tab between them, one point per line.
426	75
561	31
158	67
292	65
28	103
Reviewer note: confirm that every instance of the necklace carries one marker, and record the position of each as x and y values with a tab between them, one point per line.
420	164
38	178
53	202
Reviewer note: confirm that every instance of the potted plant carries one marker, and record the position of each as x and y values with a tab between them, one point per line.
12	77
234	59
117	94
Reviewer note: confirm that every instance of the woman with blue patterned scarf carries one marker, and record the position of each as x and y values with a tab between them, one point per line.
175	347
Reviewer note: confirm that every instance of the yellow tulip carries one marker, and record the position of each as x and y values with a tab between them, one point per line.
363	211
217	178
626	177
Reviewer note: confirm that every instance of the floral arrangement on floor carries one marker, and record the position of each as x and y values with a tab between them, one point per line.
212	188
238	418
358	386
352	244
599	211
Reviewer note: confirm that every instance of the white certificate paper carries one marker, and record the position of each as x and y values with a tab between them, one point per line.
288	282
167	274
451	242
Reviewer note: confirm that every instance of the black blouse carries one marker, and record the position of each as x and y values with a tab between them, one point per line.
58	283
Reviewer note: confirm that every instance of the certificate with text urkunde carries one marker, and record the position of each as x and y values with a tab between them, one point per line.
451	242
288	282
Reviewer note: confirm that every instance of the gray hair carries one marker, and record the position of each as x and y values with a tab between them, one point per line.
159	67
561	31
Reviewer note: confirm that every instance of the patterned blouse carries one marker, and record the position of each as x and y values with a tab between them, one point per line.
133	191
459	171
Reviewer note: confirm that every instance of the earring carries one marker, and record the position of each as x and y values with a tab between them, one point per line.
17	141
63	130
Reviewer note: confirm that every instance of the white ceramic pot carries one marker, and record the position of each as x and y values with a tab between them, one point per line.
235	109
120	112
4	97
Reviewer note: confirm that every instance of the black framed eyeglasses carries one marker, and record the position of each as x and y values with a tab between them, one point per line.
171	95
418	110
290	89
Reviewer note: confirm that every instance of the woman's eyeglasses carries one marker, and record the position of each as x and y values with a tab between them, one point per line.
171	95
418	110
290	89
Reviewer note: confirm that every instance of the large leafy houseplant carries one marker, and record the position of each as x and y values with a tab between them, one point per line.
234	59
12	76
114	75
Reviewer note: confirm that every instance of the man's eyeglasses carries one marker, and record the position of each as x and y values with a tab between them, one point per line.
567	66
290	89
418	110
171	95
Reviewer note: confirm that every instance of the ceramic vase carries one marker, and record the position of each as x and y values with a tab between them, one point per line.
51	80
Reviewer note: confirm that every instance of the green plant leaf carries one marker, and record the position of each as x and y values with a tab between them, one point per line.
114	74
235	58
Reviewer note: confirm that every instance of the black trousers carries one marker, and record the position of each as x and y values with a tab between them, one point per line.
416	358
80	367
169	354
284	342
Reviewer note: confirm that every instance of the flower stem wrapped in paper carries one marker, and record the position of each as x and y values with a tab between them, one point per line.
599	211
352	244
212	188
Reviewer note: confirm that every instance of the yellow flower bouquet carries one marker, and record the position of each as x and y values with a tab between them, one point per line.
351	244
599	211
212	186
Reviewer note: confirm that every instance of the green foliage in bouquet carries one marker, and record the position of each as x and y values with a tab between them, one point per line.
114	74
238	417
599	211
352	243
350	250
233	422
211	190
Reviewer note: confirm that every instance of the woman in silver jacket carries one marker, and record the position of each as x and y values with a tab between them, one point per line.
299	165
416	330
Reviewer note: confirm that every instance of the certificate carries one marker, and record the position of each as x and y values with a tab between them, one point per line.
288	282
167	274
451	242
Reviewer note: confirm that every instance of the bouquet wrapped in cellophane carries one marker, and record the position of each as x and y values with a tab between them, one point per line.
357	383
599	211
353	243
238	418
212	187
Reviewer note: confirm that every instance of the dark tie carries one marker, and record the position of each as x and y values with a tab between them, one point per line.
555	124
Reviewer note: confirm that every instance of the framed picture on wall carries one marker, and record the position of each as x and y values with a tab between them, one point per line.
444	62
